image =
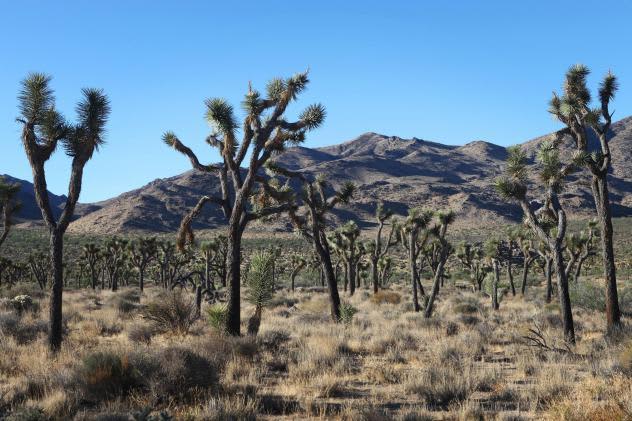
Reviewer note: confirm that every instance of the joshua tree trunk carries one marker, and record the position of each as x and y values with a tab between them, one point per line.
413	270
548	271
525	273
56	253
233	320
255	322
495	304
511	279
198	300
374	275
322	249
435	289
602	204
351	271
565	300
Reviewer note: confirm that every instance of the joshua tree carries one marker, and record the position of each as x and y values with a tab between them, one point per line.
142	253
472	257
444	251
265	132
43	127
511	243
214	254
573	110
549	221
310	221
114	261
8	206
260	290
378	249
414	235
39	264
297	263
493	252
525	244
91	254
587	249
346	241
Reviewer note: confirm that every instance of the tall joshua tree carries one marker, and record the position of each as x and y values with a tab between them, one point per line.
265	132
43	127
549	221
8	207
378	249
346	240
572	108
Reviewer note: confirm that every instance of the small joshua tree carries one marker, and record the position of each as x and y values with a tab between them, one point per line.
297	263
444	251
260	281
92	255
346	241
493	252
265	132
9	206
43	127
414	235
378	249
549	221
142	253
472	257
528	254
573	110
114	261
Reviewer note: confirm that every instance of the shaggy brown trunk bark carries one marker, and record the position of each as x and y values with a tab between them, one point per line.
511	279
602	204
141	278
254	322
435	289
352	277
525	273
374	275
548	270
495	303
330	277
413	270
56	255
198	300
233	319
565	300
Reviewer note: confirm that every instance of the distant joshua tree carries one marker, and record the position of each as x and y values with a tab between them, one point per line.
346	240
414	235
9	205
43	127
265	132
573	110
91	255
549	221
444	250
142	252
378	248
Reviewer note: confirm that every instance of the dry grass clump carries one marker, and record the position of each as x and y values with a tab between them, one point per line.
172	312
386	297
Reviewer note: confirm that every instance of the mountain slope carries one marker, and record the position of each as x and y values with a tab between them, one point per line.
402	172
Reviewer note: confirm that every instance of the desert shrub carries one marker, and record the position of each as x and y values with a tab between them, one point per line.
466	308
624	359
347	311
469	320
123	305
242	408
106	374
216	315
386	297
27	414
451	329
180	372
272	340
141	333
587	295
172	312
109	327
22	330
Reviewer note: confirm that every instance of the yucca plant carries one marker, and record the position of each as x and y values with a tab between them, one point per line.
260	282
43	128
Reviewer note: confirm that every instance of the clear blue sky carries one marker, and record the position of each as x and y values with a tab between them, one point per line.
446	71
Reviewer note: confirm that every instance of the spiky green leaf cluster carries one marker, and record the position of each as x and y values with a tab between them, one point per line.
219	114
313	116
260	278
